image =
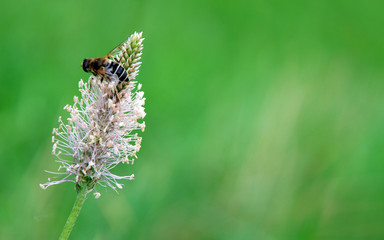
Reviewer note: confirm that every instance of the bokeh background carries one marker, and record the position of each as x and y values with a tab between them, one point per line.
265	119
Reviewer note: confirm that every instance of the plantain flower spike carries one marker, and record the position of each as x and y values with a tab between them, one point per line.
102	128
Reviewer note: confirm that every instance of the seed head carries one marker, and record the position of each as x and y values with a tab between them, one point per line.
102	128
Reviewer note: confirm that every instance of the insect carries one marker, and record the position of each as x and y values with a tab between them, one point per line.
108	67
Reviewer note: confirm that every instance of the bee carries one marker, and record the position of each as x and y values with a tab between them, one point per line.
108	67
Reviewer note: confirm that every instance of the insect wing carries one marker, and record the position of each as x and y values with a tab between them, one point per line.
116	53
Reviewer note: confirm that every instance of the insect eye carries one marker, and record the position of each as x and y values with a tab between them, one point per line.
85	65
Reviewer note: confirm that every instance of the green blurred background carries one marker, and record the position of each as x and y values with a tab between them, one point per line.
264	118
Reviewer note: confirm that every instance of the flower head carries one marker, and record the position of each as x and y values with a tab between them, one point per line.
101	130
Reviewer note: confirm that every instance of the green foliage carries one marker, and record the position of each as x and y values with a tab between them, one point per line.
264	119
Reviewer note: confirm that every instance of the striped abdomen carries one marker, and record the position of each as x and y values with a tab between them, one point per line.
115	70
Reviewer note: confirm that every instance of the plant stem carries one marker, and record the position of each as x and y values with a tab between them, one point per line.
81	196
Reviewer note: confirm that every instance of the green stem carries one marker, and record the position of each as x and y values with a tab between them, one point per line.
81	196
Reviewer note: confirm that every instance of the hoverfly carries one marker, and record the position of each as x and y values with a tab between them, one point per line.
108	67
